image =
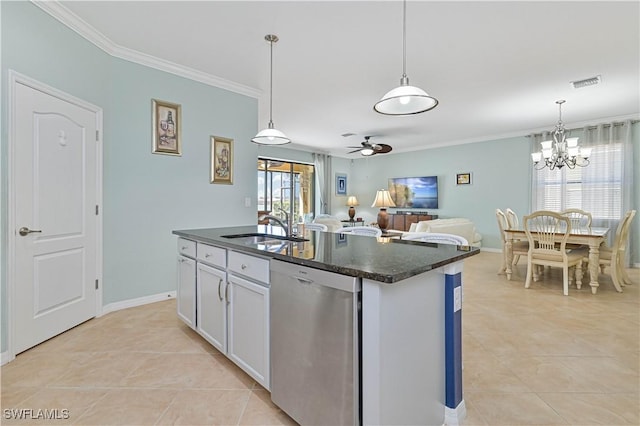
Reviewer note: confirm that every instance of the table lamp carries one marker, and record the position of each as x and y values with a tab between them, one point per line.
383	200
352	201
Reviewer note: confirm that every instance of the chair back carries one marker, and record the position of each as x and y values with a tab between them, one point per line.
502	224
622	233
579	218
542	228
369	231
316	227
512	219
437	237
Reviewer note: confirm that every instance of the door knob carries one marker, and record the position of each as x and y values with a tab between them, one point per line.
25	231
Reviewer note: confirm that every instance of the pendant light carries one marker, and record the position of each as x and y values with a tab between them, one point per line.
270	135
405	99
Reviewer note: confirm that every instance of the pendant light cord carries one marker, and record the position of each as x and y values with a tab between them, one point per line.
271	83
404	38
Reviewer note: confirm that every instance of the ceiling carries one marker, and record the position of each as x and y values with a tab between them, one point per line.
496	68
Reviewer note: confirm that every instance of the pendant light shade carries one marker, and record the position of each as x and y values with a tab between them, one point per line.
405	99
271	135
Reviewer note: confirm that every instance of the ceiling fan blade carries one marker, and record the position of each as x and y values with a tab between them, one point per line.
384	148
355	150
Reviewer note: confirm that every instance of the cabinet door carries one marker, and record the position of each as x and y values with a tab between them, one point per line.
186	291
249	328
212	306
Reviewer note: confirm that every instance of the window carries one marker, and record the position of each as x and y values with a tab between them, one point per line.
596	188
285	189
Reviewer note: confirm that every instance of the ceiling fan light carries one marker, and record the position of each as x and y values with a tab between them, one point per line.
367	151
270	136
405	100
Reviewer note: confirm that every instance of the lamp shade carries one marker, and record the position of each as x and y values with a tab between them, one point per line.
270	136
405	100
383	199
352	201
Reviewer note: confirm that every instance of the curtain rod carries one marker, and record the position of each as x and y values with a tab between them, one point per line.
615	124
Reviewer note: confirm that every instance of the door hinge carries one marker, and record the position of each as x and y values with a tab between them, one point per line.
96	284
97	135
97	210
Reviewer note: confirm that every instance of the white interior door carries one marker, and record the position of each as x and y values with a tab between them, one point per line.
54	193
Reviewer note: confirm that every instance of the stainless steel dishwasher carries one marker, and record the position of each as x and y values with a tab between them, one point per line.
315	350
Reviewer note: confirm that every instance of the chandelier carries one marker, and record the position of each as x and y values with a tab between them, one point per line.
561	151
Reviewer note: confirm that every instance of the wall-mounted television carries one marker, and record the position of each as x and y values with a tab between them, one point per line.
415	192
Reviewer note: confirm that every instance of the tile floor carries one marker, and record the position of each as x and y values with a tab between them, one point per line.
531	357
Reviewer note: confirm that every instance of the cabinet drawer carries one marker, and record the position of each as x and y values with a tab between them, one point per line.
187	247
214	256
250	266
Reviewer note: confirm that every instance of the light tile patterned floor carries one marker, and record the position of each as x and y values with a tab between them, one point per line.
531	357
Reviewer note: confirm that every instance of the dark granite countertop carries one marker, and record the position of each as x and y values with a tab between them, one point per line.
387	260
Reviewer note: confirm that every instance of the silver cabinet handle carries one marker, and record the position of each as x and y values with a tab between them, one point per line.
219	285
180	260
26	231
207	255
304	280
226	293
243	266
183	248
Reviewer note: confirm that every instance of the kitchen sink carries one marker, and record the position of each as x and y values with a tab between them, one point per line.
269	239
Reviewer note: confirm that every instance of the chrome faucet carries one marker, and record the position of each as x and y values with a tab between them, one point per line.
277	220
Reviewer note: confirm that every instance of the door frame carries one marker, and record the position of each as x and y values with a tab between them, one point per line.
16	78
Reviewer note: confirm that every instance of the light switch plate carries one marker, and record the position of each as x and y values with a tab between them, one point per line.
247	201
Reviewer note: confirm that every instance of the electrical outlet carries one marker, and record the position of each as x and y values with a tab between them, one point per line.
247	201
457	299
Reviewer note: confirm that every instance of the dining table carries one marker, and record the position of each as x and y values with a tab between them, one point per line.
591	236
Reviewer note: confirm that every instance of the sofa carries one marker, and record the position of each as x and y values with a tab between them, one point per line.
456	226
333	223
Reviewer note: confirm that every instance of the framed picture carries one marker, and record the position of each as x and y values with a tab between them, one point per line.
221	160
341	184
167	128
463	179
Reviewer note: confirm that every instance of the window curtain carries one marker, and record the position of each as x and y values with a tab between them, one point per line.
604	187
322	164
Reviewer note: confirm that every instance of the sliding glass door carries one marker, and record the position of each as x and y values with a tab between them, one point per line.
285	190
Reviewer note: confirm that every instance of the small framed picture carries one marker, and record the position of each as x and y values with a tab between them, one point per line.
463	179
221	160
167	127
341	184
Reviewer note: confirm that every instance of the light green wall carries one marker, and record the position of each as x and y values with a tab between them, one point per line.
145	195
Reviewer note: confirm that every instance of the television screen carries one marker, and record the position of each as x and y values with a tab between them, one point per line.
415	192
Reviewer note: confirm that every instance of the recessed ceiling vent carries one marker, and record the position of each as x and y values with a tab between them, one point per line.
587	82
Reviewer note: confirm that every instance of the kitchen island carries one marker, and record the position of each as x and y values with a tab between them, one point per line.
409	367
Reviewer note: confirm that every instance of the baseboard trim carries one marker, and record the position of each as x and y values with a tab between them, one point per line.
454	416
491	250
5	357
131	303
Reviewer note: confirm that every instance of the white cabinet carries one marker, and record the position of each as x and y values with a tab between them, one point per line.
212	306
186	291
248	315
224	296
249	328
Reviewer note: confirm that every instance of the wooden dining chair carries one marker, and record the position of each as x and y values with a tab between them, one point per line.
519	248
613	257
579	218
547	233
512	219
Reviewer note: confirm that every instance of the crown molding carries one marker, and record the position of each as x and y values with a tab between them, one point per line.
82	28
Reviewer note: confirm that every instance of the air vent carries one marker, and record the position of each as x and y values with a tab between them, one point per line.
587	82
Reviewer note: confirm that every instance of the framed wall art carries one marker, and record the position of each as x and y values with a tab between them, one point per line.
221	160
167	128
463	179
341	184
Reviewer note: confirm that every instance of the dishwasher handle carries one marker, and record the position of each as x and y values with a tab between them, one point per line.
302	280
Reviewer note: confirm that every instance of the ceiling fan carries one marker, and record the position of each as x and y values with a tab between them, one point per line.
367	148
